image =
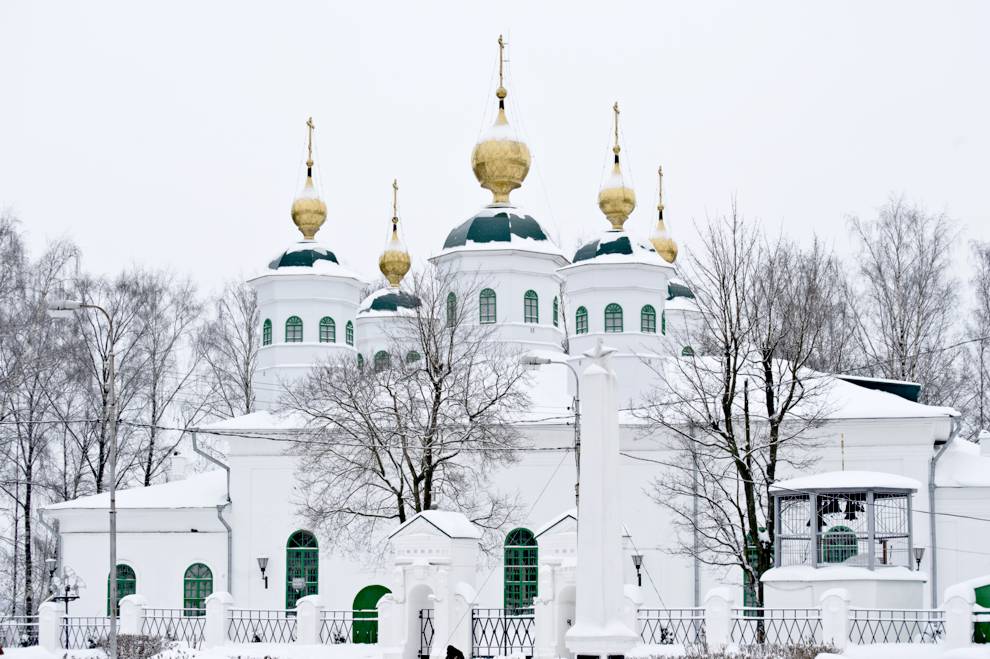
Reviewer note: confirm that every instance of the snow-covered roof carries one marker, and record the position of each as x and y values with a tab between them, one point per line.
206	490
388	301
262	420
846	480
308	257
962	465
452	524
562	517
617	246
500	226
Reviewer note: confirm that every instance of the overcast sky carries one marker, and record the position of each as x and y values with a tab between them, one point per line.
172	133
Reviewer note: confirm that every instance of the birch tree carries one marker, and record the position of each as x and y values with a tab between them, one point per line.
227	345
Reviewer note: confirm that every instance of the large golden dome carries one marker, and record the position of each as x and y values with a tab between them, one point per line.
616	200
308	210
394	261
660	238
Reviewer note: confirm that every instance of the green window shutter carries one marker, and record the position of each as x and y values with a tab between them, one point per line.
648	320
486	306
581	321
328	330
302	567
555	312
521	583
349	333
531	307
451	308
613	318
266	332
293	329
197	585
126	585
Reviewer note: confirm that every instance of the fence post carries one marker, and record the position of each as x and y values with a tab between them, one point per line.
958	607
834	610
132	614
218	607
50	626
719	603
309	619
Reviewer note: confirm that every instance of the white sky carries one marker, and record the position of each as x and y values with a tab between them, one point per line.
172	134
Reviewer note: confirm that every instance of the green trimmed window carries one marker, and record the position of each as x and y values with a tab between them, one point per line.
486	306
521	572
412	357
687	351
451	308
197	585
648	320
613	318
663	322
531	307
266	332
581	321
328	330
556	312
293	329
126	585
838	545
349	333
302	567
360	360
382	360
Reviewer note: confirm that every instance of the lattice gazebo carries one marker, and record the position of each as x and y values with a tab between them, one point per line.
851	518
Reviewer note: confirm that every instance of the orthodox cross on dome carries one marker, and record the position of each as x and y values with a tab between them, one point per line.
395	205
616	148
501	69
310	126
660	192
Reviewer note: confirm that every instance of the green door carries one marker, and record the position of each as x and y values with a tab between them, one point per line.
365	606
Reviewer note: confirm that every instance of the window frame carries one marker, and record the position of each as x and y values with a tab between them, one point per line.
613	312
556	312
266	332
521	578
581	320
349	333
197	581
381	361
304	545
331	330
487	306
531	307
296	323
648	319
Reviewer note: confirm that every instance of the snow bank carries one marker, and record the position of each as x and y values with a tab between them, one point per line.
236	651
910	651
807	573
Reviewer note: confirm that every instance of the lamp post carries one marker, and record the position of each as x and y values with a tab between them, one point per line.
263	565
529	359
66	309
65	588
919	553
637	560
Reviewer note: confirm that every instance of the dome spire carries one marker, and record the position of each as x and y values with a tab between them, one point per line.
394	261
615	199
499	160
308	210
662	242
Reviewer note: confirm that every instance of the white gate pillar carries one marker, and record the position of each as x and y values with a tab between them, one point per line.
835	617
958	607
309	620
132	614
218	607
50	626
719	603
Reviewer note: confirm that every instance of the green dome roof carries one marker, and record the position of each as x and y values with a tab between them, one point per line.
303	255
616	243
677	289
496	225
389	299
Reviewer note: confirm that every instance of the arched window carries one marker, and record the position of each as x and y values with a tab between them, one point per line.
197	585
412	357
581	321
556	312
382	360
613	318
648	320
486	306
302	567
451	308
364	606
266	332
126	585
521	575
328	330
293	330
349	333
839	544
663	321
360	360
687	351
531	307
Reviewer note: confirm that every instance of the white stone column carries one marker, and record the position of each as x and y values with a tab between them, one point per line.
50	626
218	607
719	603
309	619
958	607
835	617
600	628
392	625
132	614
545	613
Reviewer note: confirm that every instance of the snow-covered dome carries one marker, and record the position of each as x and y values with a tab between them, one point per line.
303	254
616	246
388	301
501	226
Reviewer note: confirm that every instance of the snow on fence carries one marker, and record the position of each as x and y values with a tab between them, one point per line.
188	625
752	626
425	632
869	626
262	626
83	632
344	626
18	631
502	632
672	626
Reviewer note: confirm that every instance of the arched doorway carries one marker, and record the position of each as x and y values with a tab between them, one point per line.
521	569
302	567
365	606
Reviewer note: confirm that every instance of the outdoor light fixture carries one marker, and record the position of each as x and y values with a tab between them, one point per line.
638	563
65	588
919	553
51	564
263	565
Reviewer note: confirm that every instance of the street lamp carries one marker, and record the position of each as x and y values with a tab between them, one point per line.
65	588
263	565
638	564
66	309
919	553
529	359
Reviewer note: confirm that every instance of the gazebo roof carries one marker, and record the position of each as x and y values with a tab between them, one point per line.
846	481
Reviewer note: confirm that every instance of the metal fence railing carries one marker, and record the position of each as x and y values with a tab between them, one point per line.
81	632
425	632
753	626
502	632
672	626
262	626
186	625
18	631
346	626
868	626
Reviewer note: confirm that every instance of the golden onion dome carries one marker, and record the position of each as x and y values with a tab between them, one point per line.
394	261
499	160
616	200
660	238
308	210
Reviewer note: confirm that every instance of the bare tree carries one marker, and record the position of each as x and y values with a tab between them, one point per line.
228	345
978	400
417	431
905	312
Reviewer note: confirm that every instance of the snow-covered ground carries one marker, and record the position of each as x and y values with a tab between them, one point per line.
234	651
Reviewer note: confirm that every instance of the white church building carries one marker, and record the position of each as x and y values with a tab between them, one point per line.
236	526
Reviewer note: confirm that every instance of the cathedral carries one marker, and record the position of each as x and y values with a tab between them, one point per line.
236	528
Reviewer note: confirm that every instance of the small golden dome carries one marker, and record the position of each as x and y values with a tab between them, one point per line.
660	238
616	199
308	210
394	261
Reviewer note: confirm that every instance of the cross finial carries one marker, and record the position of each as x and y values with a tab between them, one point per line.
309	141
660	190
615	111
501	59
395	203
